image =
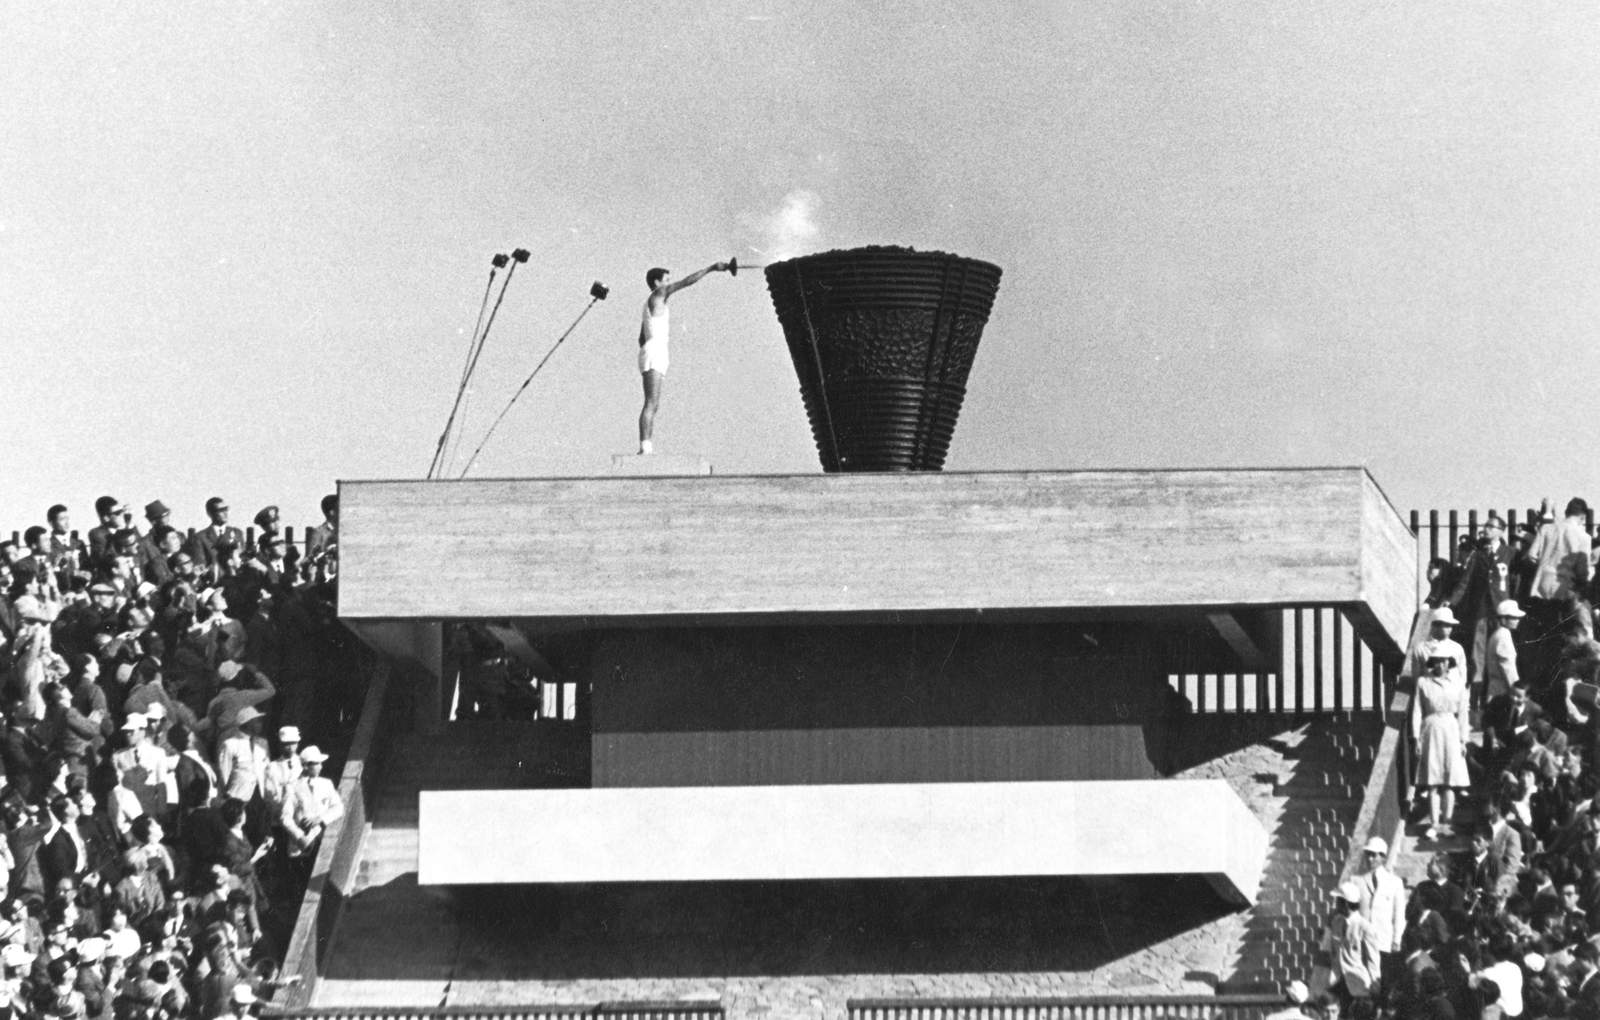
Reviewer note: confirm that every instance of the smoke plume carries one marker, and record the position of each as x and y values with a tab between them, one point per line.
787	231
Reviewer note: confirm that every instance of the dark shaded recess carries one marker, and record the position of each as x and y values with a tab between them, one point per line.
751	678
882	340
719	929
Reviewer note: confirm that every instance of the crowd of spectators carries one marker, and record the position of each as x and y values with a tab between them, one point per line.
1506	922
156	839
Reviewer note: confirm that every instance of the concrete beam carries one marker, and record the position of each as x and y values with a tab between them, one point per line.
601	549
902	831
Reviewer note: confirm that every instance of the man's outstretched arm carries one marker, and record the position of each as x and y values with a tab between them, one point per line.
693	278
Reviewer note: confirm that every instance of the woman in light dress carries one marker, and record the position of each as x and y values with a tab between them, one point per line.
1441	757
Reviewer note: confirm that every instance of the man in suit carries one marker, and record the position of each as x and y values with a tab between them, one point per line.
202	547
66	550
1497	855
1485	583
1585	982
113	517
158	516
1383	902
1503	717
62	854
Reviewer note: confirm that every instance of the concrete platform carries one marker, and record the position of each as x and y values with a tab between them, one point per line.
870	547
866	831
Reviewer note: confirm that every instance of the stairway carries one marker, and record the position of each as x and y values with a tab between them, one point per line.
1331	758
390	926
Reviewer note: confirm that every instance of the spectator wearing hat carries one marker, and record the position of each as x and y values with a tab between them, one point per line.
142	767
1383	903
1485	582
1500	659
1297	999
240	685
203	544
282	772
77	624
242	758
157	517
267	520
113	516
1441	759
1350	945
1439	645
310	806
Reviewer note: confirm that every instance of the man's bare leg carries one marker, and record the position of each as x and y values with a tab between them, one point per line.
653	381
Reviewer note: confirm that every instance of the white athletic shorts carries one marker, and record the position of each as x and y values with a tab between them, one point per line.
653	356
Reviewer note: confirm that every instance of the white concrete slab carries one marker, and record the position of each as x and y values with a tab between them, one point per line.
902	830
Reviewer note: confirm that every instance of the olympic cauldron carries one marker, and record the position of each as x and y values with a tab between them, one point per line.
882	339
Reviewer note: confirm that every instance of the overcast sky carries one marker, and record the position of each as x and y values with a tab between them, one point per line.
242	246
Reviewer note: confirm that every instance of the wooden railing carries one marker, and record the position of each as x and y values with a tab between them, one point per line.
1438	531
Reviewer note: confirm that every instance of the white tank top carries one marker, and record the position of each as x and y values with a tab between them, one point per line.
653	327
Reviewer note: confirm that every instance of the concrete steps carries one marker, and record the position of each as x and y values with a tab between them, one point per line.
1307	850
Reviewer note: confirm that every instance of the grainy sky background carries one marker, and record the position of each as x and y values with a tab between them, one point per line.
242	246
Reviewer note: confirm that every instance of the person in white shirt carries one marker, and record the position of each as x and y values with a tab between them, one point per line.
1383	902
282	771
311	804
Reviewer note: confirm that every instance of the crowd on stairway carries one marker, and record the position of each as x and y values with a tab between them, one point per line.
166	697
1504	668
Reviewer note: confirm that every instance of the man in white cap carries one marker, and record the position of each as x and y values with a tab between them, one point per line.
312	804
1383	903
1438	645
142	767
282	771
1351	945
